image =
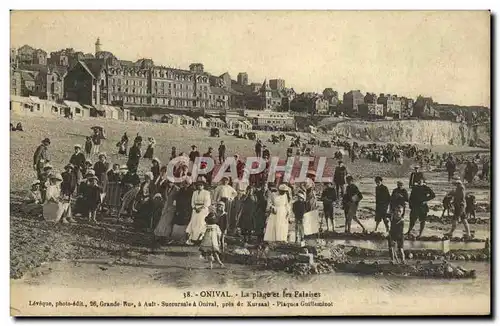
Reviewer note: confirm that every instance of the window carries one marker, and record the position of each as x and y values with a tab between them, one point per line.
169	85
175	86
133	90
78	111
126	81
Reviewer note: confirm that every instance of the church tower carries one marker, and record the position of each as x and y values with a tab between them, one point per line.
266	95
98	46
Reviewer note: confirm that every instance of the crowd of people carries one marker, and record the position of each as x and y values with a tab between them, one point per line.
206	213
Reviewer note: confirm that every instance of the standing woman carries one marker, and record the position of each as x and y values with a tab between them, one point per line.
150	150
53	208
143	207
123	145
155	168
249	209
101	169
134	155
200	203
277	222
183	207
165	225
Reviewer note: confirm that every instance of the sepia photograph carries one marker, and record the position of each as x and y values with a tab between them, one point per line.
250	163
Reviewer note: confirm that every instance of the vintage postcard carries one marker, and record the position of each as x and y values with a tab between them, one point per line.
250	163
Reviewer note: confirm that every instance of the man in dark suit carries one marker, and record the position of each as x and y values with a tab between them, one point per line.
415	177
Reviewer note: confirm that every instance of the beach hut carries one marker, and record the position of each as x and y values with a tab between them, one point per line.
202	122
188	121
76	110
176	119
19	104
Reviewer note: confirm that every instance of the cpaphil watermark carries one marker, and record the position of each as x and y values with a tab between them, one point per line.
298	168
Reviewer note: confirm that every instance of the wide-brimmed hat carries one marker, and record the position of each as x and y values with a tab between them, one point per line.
123	167
78	146
46	140
90	173
71	166
36	182
283	187
416	167
201	180
88	161
155	159
92	177
56	176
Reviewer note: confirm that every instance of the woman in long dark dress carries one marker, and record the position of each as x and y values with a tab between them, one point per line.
249	210
155	168
150	150
143	205
183	207
123	145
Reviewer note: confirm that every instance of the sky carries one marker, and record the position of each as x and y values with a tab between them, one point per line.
444	54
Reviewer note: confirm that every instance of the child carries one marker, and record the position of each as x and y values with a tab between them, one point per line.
211	242
92	197
88	146
470	206
33	205
447	205
396	235
47	170
299	209
222	220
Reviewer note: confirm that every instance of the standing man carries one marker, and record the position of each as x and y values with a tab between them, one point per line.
420	195
351	200
78	162
41	157
329	197
339	177
258	148
459	204
451	167
193	154
203	165
382	201
399	197
415	176
222	152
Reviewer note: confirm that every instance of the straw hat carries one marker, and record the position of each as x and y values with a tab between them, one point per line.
93	177
78	146
155	159
90	172
283	187
123	167
36	182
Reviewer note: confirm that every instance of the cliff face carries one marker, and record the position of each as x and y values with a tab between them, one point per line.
429	132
